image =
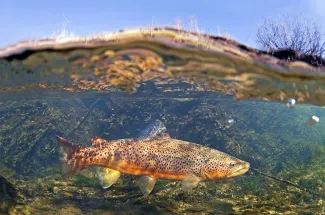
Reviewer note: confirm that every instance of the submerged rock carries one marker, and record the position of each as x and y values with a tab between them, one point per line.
8	195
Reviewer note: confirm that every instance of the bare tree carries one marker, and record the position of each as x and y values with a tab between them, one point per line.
292	33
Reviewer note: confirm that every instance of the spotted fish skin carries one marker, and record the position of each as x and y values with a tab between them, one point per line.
160	157
155	155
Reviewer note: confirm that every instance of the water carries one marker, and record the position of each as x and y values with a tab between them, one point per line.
205	90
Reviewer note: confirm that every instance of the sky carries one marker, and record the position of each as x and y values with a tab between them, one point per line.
36	19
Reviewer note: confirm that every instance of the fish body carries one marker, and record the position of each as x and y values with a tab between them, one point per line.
156	157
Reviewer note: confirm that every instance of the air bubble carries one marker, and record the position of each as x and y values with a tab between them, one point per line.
291	103
313	120
229	123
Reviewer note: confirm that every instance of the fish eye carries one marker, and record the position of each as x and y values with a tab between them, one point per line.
232	164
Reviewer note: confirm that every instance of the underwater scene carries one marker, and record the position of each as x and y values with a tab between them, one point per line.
159	121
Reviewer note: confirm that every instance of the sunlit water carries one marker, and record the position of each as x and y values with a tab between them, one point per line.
209	92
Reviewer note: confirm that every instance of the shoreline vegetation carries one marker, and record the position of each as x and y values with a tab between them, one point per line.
164	35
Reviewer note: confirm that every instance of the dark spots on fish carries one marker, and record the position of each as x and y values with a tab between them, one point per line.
186	147
162	155
107	154
117	156
107	158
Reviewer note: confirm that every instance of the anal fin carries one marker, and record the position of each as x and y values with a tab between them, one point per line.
146	184
107	177
190	181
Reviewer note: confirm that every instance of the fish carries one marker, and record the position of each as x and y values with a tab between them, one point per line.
152	156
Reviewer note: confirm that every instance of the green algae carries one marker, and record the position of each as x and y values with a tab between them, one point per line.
82	180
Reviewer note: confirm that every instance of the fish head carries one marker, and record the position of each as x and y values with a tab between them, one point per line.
225	167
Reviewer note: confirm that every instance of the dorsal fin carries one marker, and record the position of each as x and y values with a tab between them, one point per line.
97	140
154	130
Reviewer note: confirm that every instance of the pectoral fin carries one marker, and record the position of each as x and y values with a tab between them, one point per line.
146	184
190	181
107	177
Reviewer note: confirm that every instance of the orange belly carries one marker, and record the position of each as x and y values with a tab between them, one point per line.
132	169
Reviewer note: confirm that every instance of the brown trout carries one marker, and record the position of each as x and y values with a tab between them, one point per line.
154	156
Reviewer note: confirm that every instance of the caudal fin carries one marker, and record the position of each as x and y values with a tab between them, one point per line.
66	150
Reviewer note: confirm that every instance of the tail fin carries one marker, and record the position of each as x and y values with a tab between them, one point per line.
67	149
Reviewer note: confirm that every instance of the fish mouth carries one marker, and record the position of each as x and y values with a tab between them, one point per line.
243	168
